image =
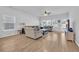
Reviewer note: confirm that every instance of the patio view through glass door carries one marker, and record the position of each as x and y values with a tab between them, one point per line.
57	25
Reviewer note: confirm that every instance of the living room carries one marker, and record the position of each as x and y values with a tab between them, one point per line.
39	28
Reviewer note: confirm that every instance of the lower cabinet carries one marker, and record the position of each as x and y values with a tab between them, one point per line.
70	36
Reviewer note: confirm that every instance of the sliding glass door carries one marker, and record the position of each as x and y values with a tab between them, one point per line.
57	25
44	23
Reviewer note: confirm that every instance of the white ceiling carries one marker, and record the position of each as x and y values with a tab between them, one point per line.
39	10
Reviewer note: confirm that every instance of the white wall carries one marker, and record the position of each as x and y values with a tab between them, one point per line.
57	17
21	17
75	16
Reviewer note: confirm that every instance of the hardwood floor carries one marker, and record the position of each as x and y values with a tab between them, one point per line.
52	42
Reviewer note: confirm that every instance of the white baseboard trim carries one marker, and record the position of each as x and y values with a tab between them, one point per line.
77	43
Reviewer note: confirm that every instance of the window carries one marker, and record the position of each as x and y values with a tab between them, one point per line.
8	26
8	22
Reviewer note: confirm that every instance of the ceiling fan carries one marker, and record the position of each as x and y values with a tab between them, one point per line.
46	13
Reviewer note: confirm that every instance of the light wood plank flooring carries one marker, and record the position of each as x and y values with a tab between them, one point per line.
52	42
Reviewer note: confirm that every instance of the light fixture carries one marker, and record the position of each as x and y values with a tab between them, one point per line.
46	13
